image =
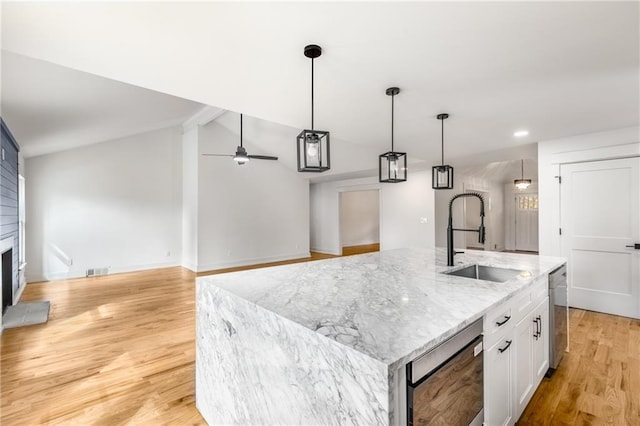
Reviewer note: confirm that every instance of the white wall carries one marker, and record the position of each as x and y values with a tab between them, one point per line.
254	213
115	204
590	147
494	212
402	207
190	158
359	217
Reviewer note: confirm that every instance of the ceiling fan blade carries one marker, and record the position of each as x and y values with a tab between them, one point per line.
263	157
217	155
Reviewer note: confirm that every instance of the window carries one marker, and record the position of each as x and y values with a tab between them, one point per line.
528	202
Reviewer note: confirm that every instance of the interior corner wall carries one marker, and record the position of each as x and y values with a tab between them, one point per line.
190	198
115	204
247	214
406	212
588	147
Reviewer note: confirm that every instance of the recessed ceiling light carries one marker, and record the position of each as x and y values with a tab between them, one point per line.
521	133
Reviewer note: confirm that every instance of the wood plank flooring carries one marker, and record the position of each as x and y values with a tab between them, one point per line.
119	349
598	381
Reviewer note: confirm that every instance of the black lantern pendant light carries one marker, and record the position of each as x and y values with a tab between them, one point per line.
522	183
443	174
392	166
313	145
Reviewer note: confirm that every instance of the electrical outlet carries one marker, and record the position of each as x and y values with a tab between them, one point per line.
168	254
423	220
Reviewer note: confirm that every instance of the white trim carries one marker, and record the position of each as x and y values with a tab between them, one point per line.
18	295
190	266
40	277
201	118
325	251
597	154
254	261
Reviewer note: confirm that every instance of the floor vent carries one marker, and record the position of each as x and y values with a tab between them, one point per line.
94	272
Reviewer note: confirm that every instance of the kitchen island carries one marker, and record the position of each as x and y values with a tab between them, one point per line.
325	342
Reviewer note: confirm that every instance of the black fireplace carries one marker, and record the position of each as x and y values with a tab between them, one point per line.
7	279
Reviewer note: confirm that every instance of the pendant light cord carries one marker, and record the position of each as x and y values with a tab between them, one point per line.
442	133
522	168
392	119
241	130
312	60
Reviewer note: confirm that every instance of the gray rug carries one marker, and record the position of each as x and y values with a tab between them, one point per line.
26	314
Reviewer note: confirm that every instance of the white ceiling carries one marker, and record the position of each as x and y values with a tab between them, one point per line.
554	68
52	108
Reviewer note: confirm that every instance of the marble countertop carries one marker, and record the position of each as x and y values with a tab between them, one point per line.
390	305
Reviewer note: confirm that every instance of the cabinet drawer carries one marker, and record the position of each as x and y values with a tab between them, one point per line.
540	289
522	305
497	322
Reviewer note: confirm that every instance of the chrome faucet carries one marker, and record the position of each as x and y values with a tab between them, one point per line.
481	231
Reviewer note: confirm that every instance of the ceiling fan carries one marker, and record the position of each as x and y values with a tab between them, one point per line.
241	155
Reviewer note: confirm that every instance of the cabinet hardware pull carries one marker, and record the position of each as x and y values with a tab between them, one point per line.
535	333
634	246
501	323
540	322
506	347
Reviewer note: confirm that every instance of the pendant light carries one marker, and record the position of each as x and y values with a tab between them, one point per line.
313	145
392	166
442	176
522	183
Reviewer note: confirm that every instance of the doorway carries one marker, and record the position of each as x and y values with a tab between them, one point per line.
359	221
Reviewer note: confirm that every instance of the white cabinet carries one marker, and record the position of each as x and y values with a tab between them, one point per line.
531	349
498	377
541	344
516	334
523	354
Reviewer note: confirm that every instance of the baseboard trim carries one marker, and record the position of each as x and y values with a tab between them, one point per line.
327	251
254	261
41	276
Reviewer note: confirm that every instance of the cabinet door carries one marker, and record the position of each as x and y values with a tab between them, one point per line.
523	367
498	382
541	344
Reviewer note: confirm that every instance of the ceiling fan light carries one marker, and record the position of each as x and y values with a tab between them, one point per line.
241	156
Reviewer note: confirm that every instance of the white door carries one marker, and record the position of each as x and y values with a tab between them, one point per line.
599	218
527	222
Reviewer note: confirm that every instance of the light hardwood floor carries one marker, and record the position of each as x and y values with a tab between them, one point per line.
598	381
120	349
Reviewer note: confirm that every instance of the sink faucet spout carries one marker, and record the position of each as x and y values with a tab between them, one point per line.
450	229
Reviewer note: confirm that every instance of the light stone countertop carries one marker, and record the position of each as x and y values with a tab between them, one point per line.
390	305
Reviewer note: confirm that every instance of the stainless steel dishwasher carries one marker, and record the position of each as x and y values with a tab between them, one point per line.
558	317
445	385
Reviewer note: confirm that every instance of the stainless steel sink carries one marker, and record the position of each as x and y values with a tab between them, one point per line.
488	273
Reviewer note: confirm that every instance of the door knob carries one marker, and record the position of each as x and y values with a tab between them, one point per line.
634	246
